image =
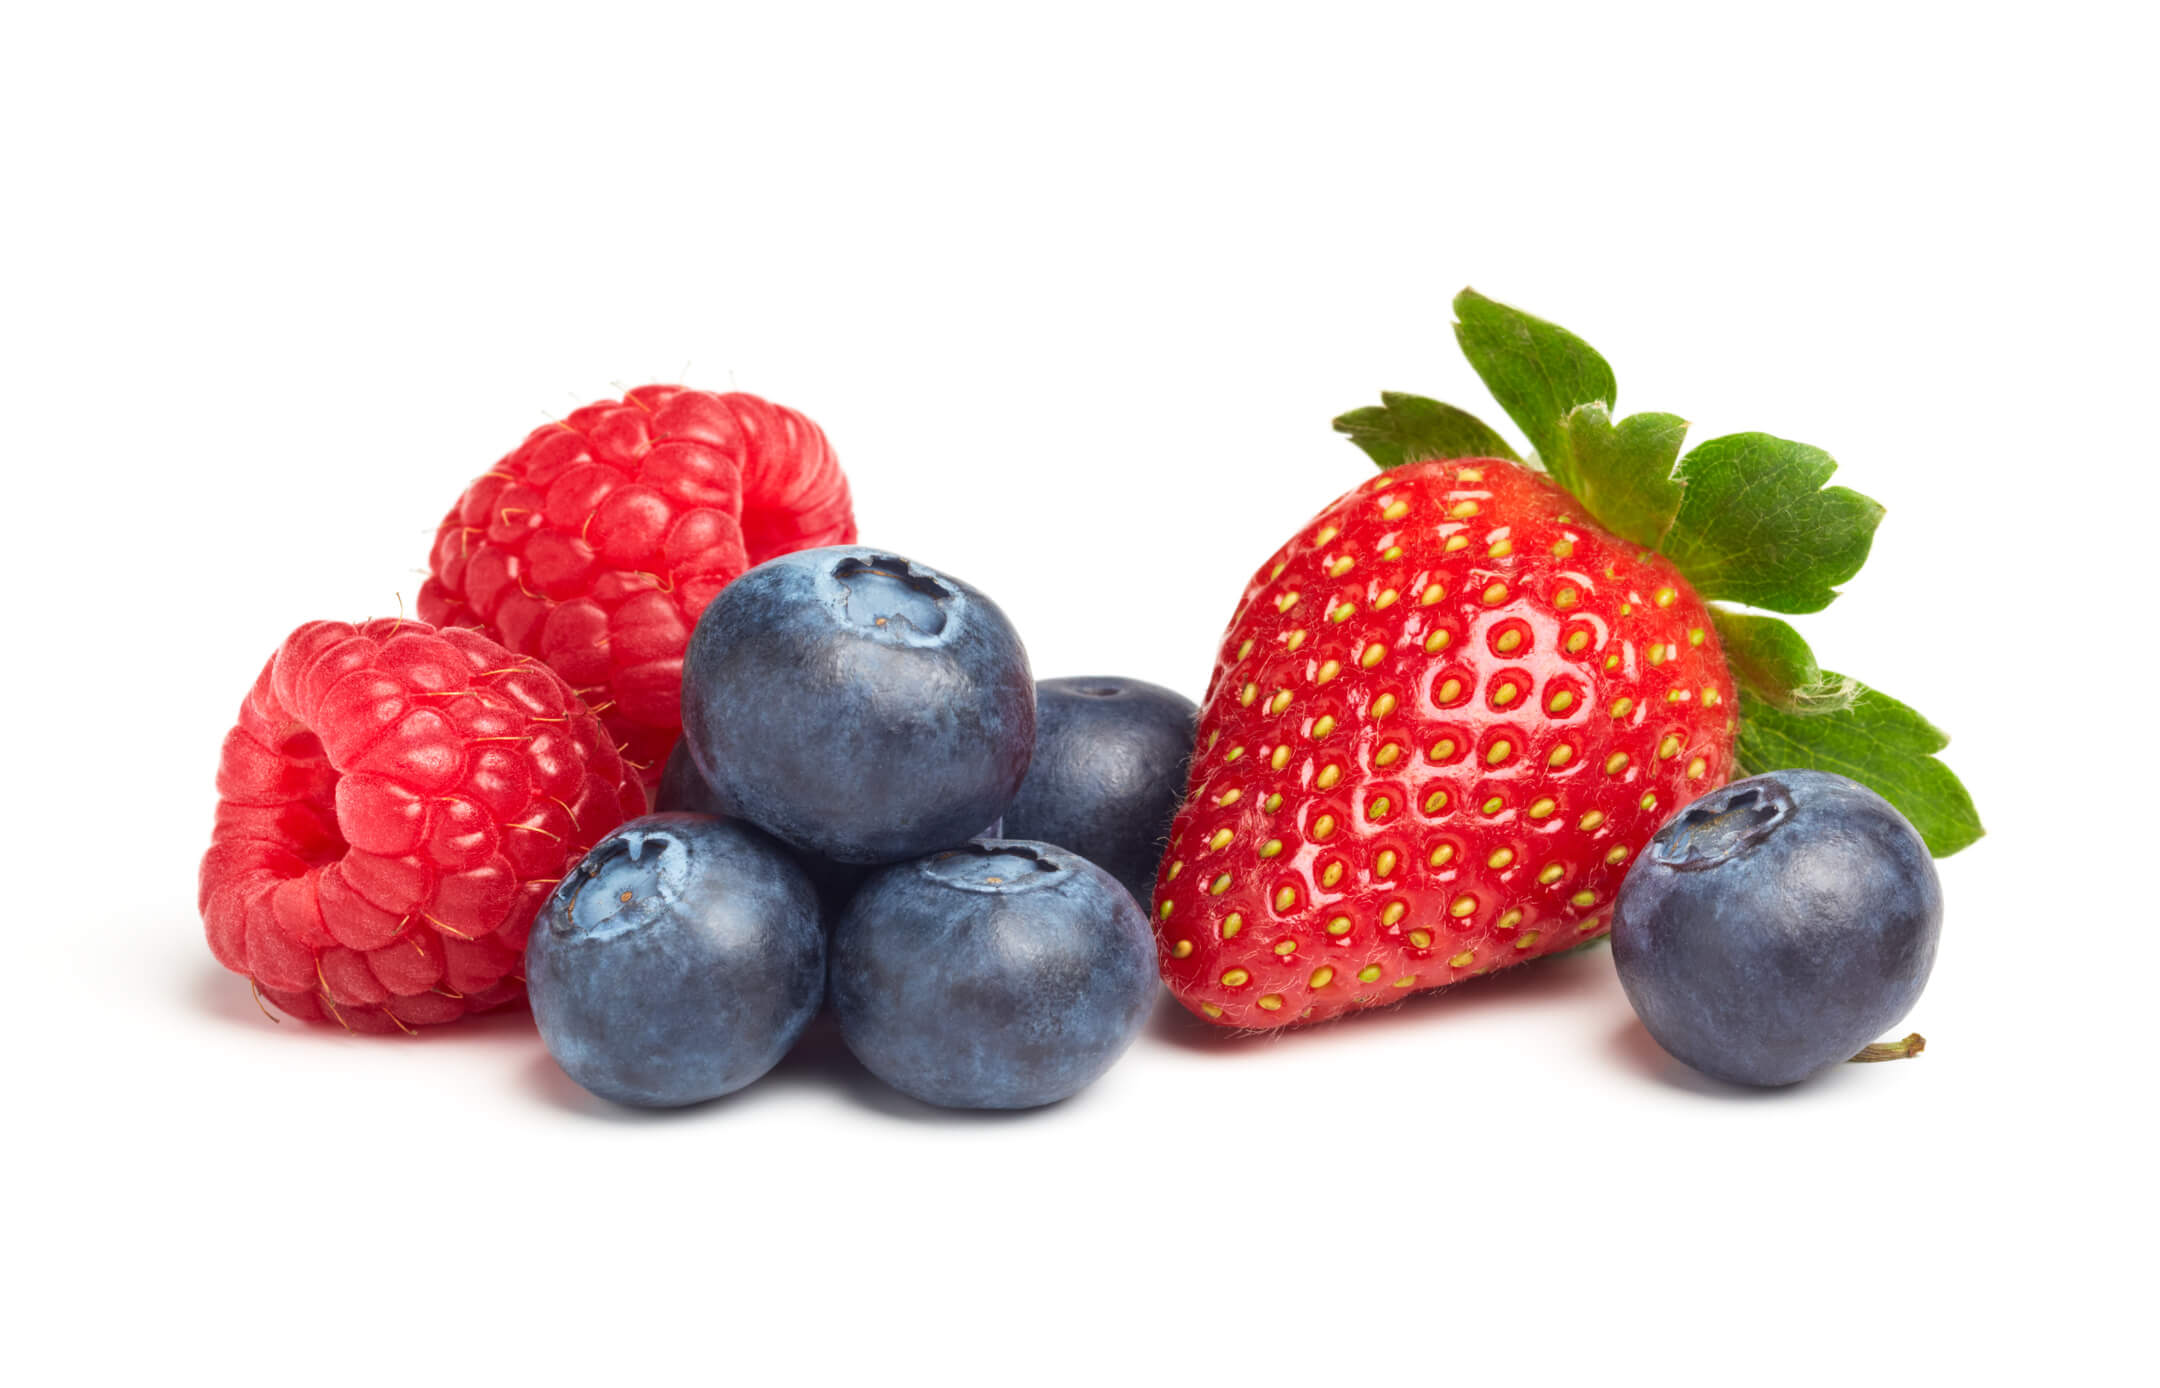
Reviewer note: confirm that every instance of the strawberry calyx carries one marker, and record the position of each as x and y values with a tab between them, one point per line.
1749	519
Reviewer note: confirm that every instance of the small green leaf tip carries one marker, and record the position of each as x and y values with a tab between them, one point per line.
1874	740
1771	662
1757	526
1624	471
1538	371
1411	429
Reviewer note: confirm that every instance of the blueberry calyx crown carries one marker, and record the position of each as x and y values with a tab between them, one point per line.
1747	518
890	595
995	866
1724	824
622	883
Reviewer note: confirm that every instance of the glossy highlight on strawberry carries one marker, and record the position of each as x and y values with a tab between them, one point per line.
596	544
1444	717
394	803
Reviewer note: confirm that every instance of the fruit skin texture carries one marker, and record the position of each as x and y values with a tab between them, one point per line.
678	962
1000	974
1107	774
1778	926
859	705
1444	718
393	805
597	542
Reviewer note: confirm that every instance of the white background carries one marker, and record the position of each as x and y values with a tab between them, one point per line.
1075	293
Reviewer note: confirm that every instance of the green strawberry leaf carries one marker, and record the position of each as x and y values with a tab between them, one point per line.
1757	526
1771	661
1537	370
1876	741
1410	429
1624	472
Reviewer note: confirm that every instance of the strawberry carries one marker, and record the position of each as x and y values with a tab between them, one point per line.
1445	716
1452	708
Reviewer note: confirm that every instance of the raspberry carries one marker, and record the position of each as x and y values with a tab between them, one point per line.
599	541
394	805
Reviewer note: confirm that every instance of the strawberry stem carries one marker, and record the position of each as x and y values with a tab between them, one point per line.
1911	1046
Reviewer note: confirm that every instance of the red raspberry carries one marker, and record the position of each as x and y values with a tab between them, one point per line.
596	545
394	804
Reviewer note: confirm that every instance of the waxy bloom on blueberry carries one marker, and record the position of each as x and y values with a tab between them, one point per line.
859	705
1778	926
998	974
1107	774
678	962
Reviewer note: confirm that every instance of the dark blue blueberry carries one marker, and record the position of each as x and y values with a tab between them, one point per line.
999	974
859	705
682	787
677	962
1108	773
1777	926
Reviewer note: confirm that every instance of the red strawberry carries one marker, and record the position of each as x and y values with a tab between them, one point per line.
1452	708
1441	722
596	544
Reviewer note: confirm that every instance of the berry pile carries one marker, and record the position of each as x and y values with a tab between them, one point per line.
397	798
1478	710
871	714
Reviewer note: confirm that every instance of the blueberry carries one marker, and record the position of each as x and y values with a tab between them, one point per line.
677	962
999	974
682	787
1777	926
1108	773
859	705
